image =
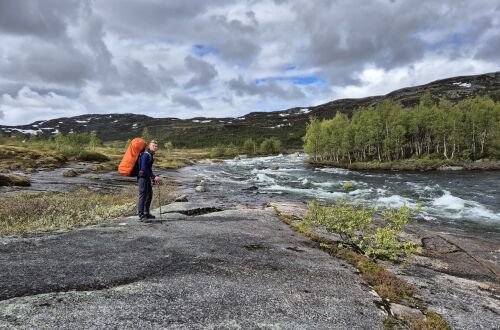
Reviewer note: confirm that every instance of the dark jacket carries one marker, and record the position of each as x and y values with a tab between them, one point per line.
146	165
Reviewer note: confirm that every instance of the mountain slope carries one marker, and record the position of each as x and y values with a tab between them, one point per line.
288	125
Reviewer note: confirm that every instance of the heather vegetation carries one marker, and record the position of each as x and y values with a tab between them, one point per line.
52	211
468	130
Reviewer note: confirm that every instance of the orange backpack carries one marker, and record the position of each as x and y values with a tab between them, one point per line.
129	165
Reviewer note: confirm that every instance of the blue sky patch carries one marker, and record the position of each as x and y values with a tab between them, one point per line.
296	80
202	50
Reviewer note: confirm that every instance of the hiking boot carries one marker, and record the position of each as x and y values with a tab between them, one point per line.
149	216
145	219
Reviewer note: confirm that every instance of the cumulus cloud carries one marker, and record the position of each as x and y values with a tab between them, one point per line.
168	58
186	101
28	105
203	71
264	89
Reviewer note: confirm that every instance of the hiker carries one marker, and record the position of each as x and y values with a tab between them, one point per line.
145	179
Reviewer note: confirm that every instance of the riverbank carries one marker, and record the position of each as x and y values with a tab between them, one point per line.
452	264
414	165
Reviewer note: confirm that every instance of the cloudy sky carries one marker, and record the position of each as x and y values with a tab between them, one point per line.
218	58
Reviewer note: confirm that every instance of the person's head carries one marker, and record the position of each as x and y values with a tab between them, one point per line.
153	145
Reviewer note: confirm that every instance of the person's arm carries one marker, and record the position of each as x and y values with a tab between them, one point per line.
145	166
156	178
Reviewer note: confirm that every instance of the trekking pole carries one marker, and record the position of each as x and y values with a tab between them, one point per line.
159	199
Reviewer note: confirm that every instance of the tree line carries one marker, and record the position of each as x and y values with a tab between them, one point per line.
468	130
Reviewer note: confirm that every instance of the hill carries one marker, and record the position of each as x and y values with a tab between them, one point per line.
288	125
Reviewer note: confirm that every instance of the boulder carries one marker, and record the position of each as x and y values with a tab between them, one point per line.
14	180
274	167
251	188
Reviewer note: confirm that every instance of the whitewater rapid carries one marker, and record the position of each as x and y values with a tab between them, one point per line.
463	198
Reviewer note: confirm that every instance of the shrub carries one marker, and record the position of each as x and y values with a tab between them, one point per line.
347	185
168	146
250	147
357	228
218	151
271	146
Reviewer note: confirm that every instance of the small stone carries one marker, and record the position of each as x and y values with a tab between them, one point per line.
201	189
181	198
70	174
402	312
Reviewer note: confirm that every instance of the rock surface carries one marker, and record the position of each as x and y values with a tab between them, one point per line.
403	312
457	274
233	269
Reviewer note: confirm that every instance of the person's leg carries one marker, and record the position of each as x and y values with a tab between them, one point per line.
141	182
149	196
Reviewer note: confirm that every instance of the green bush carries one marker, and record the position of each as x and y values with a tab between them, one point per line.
271	146
91	156
250	147
218	151
356	226
347	185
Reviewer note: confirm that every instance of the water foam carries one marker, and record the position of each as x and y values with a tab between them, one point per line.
456	208
334	170
318	193
395	201
449	202
262	177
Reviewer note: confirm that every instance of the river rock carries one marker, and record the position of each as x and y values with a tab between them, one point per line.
70	174
251	188
14	180
405	312
274	167
181	198
450	168
200	189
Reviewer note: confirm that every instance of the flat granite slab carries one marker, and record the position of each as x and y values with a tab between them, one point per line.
235	269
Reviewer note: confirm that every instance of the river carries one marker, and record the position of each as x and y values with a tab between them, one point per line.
469	200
